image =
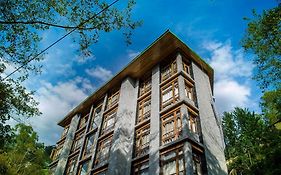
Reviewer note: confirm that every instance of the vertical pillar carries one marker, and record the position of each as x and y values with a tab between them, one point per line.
154	122
67	146
122	143
187	149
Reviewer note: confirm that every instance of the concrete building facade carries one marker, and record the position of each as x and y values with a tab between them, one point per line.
156	116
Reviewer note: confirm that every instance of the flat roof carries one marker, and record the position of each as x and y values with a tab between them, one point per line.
163	46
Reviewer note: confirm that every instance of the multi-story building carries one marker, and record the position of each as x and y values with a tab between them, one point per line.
156	116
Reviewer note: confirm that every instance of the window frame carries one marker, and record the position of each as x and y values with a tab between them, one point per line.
109	115
138	165
141	116
78	137
70	161
81	165
186	66
177	158
173	85
110	103
173	116
94	116
84	153
193	122
83	121
145	86
100	146
168	70
142	149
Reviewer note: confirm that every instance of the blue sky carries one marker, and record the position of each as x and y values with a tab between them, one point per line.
212	28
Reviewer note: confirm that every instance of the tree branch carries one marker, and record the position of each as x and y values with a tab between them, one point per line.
46	24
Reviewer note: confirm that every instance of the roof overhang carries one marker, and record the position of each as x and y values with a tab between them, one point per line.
155	53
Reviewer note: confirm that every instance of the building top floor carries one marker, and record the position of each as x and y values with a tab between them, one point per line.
162	50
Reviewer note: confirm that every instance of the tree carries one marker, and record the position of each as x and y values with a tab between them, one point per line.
21	22
252	146
24	155
263	38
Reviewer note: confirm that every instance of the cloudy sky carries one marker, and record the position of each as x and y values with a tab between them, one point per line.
212	28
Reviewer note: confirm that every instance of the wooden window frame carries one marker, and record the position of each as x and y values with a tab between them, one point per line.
78	137
81	165
85	154
65	131
145	87
94	116
137	166
100	159
173	85
177	158
169	70
197	157
70	162
57	151
83	121
111	103
177	128
110	115
193	121
143	148
189	90
141	104
186	66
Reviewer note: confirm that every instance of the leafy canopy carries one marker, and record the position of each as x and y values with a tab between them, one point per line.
263	39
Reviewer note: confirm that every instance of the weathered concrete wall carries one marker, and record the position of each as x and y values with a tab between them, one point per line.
67	146
123	137
210	126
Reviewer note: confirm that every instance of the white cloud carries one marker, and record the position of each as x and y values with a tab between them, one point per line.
55	102
232	72
230	94
99	73
228	63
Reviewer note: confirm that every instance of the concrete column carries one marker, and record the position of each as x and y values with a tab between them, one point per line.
187	149
179	62
122	143
154	122
67	146
214	149
185	119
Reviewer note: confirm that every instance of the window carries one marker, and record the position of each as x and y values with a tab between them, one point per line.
53	169
89	145
96	114
84	168
172	162
169	70
57	151
171	125
142	140
197	163
192	122
108	121
112	100
83	121
145	86
186	66
71	165
169	93
144	107
141	168
103	150
77	141
189	91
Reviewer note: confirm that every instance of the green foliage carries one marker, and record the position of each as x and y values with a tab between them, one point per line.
22	22
271	106
251	145
263	38
23	155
